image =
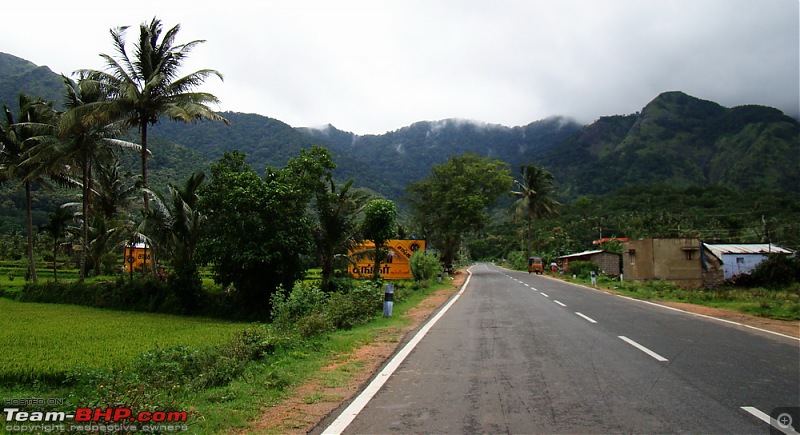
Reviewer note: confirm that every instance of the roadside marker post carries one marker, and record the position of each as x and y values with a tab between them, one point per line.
388	300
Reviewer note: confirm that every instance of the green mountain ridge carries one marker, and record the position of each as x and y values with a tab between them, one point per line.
17	74
675	139
682	140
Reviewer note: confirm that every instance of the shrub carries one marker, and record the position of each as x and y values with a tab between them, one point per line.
309	311
305	299
141	294
517	260
354	307
582	269
424	266
777	270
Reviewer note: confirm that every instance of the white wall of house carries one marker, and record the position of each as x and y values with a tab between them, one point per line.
737	264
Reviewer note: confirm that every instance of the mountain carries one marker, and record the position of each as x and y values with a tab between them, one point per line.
384	163
267	142
19	75
675	139
408	153
682	140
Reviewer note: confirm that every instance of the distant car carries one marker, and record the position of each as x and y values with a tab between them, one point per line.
535	265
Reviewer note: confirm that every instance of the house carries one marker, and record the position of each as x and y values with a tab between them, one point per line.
675	260
725	261
609	262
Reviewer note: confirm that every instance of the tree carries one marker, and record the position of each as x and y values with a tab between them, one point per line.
175	224
380	225
57	227
337	227
37	119
258	237
145	87
453	199
84	142
534	193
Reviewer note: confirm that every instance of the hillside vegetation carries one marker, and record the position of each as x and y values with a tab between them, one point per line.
676	140
683	141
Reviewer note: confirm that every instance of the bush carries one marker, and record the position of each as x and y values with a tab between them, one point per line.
424	266
517	260
141	294
778	270
309	311
583	269
300	311
354	307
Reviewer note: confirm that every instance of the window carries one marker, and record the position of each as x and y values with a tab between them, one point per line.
689	251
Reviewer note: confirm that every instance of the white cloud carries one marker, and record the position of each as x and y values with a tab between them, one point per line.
371	66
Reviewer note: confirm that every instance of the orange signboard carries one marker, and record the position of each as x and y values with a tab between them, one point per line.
396	265
137	255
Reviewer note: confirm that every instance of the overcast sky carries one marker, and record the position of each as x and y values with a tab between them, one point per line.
372	66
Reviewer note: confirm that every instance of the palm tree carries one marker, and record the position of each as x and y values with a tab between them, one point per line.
337	228
37	120
84	142
175	221
175	225
145	87
115	191
535	198
57	227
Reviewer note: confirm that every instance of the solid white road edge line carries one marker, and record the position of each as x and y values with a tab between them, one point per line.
351	412
643	349
586	317
710	317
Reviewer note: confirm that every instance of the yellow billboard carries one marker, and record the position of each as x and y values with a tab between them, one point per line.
396	265
137	256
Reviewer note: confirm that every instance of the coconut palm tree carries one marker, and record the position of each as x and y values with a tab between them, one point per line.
535	201
115	191
144	87
337	228
84	142
175	221
57	227
174	224
37	119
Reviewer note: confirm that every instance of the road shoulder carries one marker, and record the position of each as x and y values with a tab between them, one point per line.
311	402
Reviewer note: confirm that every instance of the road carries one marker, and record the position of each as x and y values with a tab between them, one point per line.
520	353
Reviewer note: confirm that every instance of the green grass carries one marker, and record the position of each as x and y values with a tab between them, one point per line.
45	341
782	304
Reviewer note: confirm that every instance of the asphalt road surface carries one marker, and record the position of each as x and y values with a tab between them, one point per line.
520	353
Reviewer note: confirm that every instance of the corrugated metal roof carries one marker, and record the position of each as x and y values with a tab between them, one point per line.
581	254
745	248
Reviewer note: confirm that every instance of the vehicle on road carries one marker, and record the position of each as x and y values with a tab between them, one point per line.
535	265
